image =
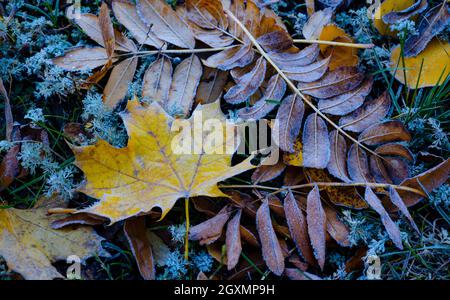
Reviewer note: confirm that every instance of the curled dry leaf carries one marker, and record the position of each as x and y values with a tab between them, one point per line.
337	165
298	228
347	102
337	82
211	85
78	219
389	131
428	68
135	232
340	56
432	23
316	22
358	165
233	240
391	227
288	122
157	81
271	249
316	144
316	220
266	173
117	87
209	231
183	89
165	23
370	113
397	16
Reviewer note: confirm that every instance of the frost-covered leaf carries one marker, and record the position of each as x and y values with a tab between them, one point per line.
121	76
397	16
337	166
209	231
233	240
157	81
389	131
316	219
289	119
316	144
316	22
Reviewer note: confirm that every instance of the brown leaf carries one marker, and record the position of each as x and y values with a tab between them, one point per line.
135	231
391	227
233	240
296	274
82	59
425	182
237	56
293	176
266	173
9	120
337	82
271	249
248	237
165	23
432	23
316	22
397	169
309	73
390	131
117	87
298	228
274	92
186	79
347	102
370	113
288	122
209	231
396	150
107	30
358	165
337	166
295	58
78	219
126	14
211	85
336	228
9	167
398	202
243	201
397	16
316	219
378	170
206	205
316	144
157	81
247	84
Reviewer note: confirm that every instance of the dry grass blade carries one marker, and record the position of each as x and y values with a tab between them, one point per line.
389	131
157	81
289	119
337	165
117	87
135	232
316	144
271	249
316	219
391	227
233	240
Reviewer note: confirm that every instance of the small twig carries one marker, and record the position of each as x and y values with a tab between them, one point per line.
340	44
61	211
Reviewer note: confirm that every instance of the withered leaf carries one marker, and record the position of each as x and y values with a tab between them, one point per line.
316	144
249	237
82	59
316	22
209	231
271	249
391	227
9	120
274	91
186	79
397	16
336	228
297	274
293	176
295	58
237	56
389	131
121	76
428	180
432	23
126	14
358	165
347	102
288	122
135	231
309	73
298	228
247	84
233	240
378	170
165	23
395	150
316	219
157	81
295	158
398	202
370	113
266	173
337	82
337	166
9	167
397	169
78	219
107	29
211	85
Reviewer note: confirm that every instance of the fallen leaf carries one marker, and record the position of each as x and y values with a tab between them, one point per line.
389	131
337	166
398	202
316	22
271	249
296	274
391	227
340	56
147	173
395	150
336	228
358	165
82	59
397	169
295	58
211	85
266	173
370	113
288	122
293	176
234	57
378	170
397	16
78	219
9	167
210	231
316	219
386	7
309	73
316	144
117	87
233	240
107	30
157	81
295	158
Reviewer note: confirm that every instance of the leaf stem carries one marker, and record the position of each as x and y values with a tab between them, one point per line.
186	242
340	44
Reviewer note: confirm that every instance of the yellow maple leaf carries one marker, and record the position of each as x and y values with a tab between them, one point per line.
29	245
148	172
429	68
